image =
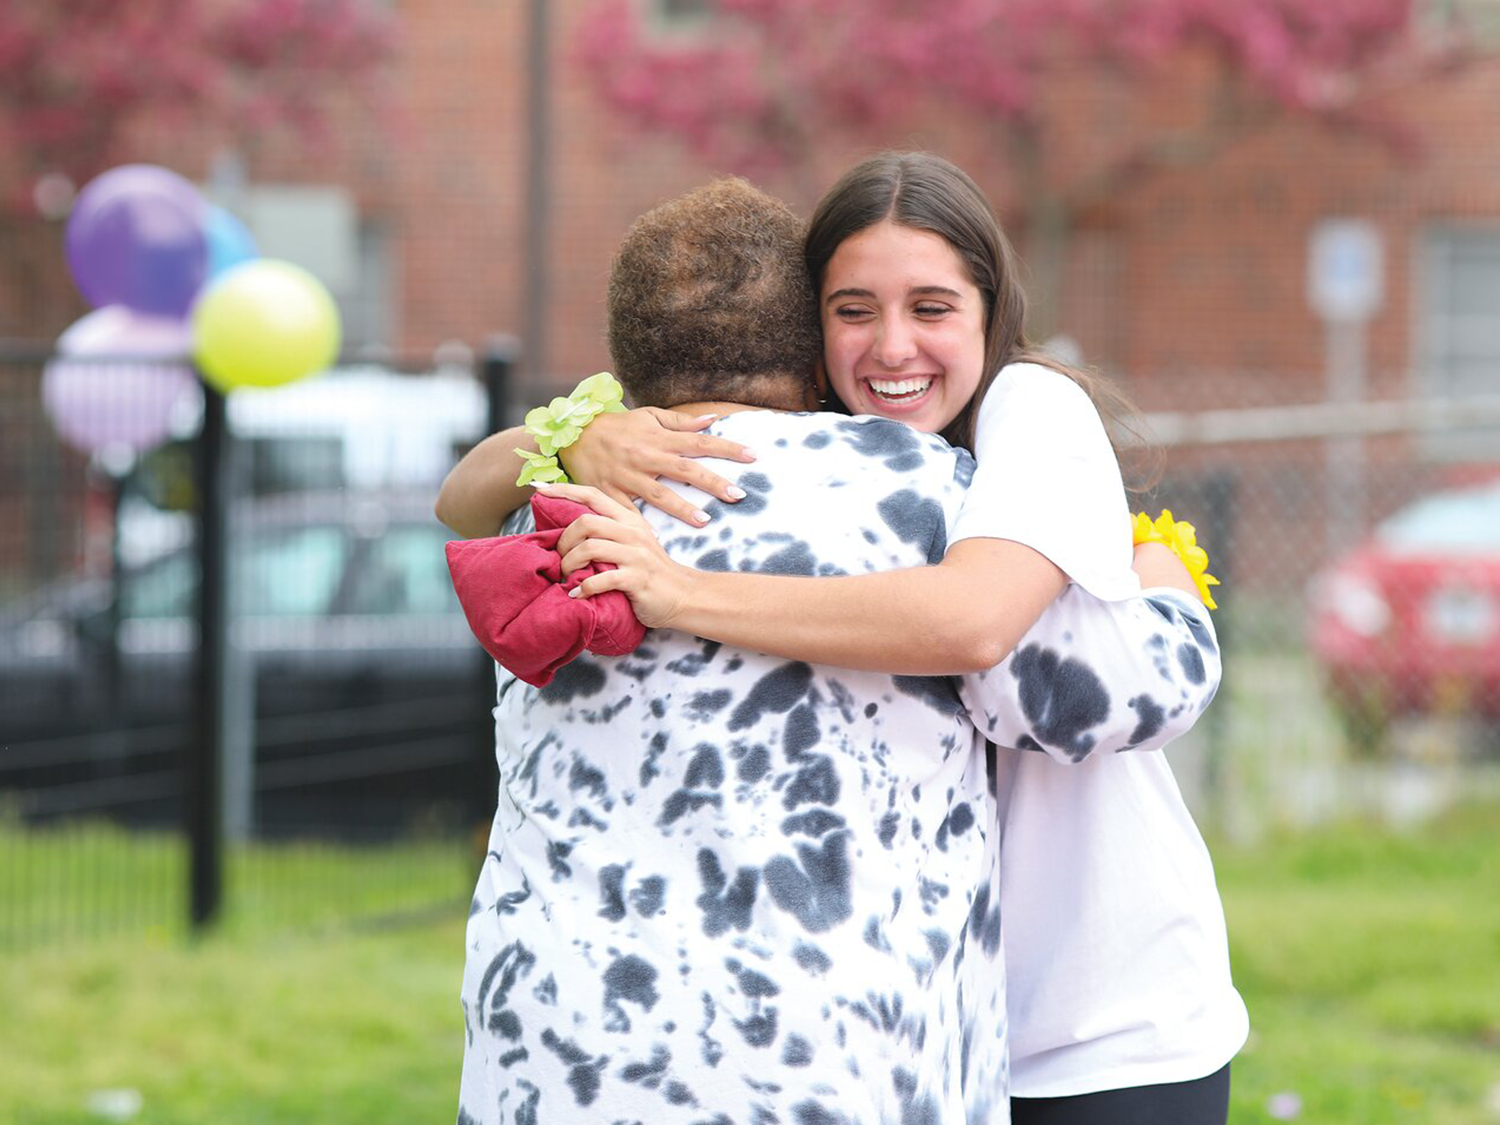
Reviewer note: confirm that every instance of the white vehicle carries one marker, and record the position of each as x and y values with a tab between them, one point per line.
359	429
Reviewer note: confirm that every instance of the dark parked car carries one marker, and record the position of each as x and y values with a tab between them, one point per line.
366	678
1409	622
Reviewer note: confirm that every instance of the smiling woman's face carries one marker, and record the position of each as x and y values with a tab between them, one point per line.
903	326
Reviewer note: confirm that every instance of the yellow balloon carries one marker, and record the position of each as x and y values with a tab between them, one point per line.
264	323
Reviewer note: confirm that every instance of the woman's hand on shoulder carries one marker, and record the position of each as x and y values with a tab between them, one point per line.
618	534
625	454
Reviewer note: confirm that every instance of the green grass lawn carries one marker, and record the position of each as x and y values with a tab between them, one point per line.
1370	961
91	879
1371	965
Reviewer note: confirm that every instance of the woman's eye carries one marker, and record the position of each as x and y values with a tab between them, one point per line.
932	310
851	312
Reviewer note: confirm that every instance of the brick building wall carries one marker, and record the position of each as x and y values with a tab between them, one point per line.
1203	270
1213	262
1198	271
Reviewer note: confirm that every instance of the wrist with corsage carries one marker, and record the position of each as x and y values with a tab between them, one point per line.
1181	538
559	424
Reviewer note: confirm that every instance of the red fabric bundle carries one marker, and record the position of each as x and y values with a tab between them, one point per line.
516	598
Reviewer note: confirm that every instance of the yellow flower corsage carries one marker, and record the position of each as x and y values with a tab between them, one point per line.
1182	538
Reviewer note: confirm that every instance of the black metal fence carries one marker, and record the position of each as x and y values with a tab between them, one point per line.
234	680
1359	547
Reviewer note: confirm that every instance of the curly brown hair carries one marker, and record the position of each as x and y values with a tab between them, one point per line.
709	299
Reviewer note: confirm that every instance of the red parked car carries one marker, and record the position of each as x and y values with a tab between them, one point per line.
1409	621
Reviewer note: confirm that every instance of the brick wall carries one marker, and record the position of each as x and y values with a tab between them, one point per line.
1200	270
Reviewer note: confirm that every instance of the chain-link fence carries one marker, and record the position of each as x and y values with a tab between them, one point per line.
356	751
1359	548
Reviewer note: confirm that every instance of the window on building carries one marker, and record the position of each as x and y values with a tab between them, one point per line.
674	17
1479	17
1461	321
675	11
320	228
1459	349
369	304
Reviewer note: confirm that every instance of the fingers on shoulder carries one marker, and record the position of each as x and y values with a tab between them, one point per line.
710	445
661	497
677	420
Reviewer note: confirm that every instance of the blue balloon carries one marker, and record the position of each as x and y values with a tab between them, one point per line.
229	241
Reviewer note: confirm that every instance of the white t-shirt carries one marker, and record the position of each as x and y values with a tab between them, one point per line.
1115	948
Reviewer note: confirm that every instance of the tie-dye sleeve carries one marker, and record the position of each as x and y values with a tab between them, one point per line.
1095	676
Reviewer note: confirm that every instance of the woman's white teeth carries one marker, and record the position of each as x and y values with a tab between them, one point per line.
897	388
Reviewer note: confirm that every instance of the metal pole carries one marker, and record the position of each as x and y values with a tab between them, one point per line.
497	365
1345	464
229	184
238	677
497	361
203	768
1219	518
1345	287
114	722
535	262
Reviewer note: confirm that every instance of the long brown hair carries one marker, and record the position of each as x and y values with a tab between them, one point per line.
925	192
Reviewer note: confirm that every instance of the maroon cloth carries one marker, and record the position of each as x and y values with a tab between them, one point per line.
516	598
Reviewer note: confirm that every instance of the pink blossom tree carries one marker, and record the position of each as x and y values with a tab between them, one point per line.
758	82
87	84
76	75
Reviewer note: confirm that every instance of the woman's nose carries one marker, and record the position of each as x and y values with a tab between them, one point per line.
895	343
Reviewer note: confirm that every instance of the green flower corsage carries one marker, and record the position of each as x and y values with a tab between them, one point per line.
559	424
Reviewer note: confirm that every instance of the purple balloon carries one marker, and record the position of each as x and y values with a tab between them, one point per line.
137	237
119	379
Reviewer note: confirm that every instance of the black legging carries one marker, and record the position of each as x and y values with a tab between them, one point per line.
1204	1101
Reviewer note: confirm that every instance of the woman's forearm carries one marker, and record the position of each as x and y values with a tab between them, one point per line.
966	614
481	490
963	615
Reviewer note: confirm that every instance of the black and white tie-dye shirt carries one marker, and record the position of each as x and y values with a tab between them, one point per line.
725	887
